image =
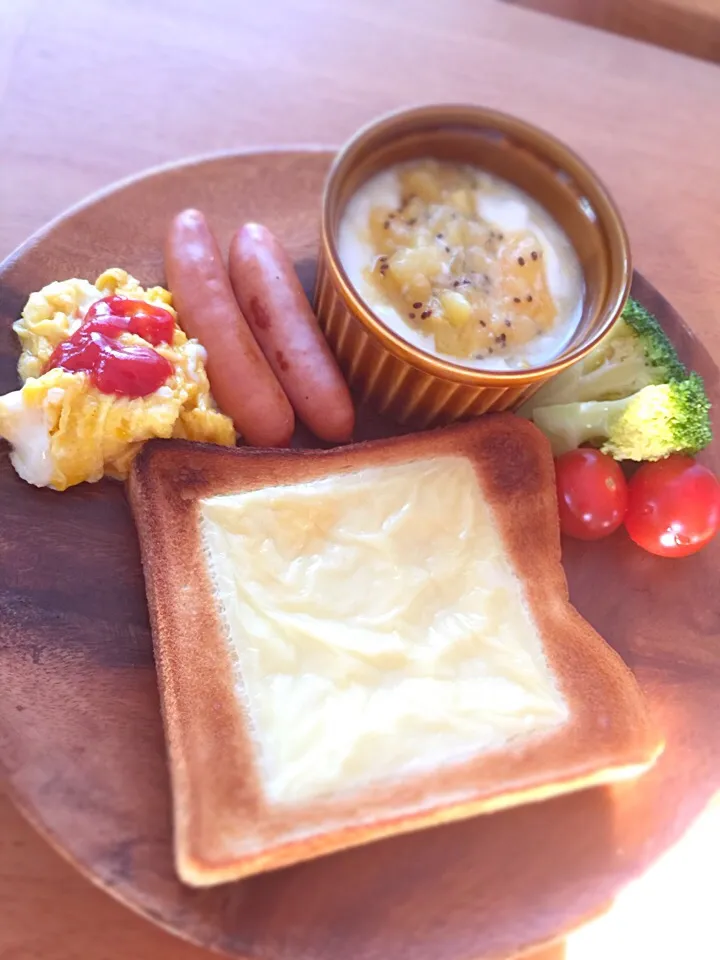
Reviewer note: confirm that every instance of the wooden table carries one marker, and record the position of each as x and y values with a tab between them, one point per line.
688	26
89	94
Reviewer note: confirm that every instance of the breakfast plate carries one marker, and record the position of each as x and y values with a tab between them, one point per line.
81	739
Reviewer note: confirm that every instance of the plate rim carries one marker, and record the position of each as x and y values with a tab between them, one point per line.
148	173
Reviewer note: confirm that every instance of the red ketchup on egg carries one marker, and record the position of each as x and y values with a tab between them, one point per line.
128	371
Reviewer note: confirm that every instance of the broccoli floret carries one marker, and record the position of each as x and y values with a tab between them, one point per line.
635	354
651	424
660	354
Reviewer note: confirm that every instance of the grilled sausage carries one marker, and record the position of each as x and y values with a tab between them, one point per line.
271	297
242	382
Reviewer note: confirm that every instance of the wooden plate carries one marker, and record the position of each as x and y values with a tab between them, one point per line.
80	732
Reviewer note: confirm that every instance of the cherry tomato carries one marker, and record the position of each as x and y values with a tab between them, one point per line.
592	494
674	507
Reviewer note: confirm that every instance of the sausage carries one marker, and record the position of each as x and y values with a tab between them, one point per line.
242	382
271	297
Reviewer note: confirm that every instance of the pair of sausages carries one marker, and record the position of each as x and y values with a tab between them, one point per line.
267	356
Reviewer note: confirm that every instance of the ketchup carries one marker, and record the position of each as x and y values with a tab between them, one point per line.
152	323
128	371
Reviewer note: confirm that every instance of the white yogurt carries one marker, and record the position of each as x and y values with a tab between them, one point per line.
506	207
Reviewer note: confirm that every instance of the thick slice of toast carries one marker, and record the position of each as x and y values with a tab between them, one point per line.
517	724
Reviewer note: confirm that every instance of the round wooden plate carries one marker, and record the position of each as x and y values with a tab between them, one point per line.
80	733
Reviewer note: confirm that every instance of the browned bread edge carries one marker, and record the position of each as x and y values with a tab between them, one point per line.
224	829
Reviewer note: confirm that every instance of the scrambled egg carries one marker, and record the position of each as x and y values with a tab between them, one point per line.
62	429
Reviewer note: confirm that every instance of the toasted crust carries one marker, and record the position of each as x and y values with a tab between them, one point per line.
224	827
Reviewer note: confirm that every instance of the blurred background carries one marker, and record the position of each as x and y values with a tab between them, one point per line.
688	26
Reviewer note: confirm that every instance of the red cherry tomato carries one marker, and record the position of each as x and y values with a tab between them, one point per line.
674	507
592	494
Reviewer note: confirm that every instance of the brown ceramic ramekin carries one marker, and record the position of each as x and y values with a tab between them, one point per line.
414	386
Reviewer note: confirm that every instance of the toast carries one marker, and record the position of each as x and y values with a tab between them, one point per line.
319	686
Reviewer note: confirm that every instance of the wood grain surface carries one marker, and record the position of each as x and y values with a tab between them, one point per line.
687	26
80	731
172	79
